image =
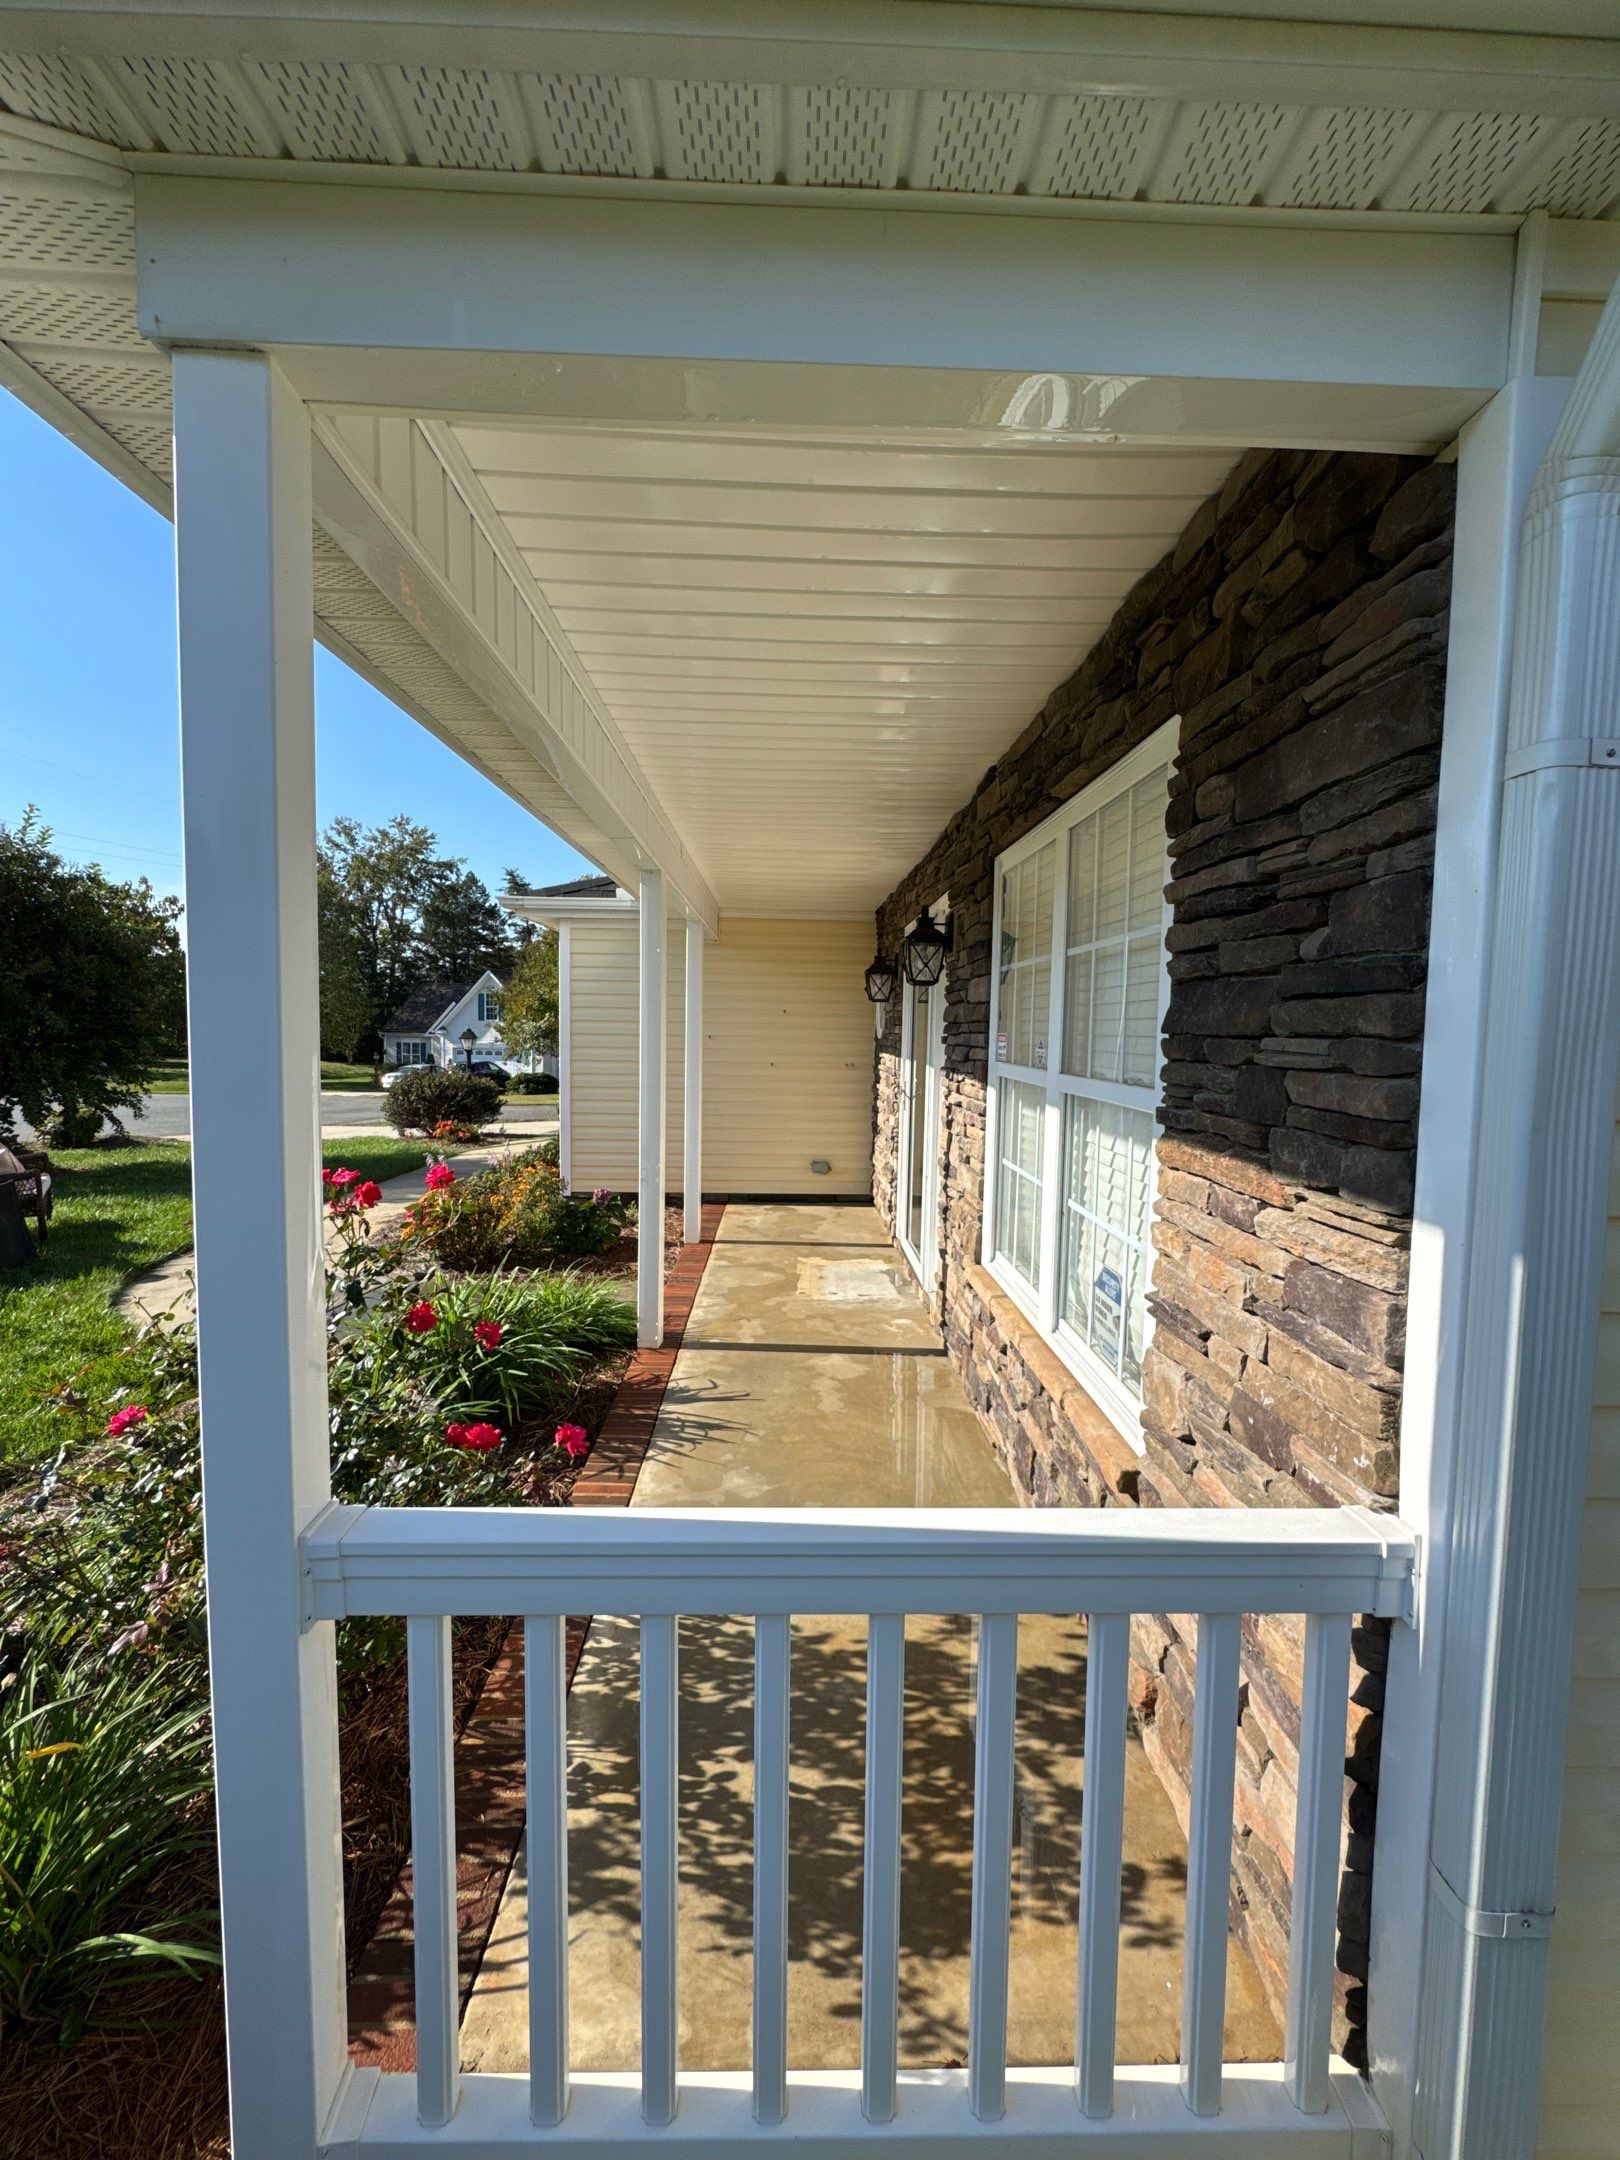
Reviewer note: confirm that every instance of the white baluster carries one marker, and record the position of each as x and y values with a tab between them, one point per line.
545	1690
433	1870
772	1699
1318	1813
660	1864
1209	1862
880	1894
992	1863
1102	1837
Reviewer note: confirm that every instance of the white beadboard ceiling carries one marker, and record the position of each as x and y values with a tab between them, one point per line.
814	646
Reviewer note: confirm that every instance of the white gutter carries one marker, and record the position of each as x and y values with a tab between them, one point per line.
1552	1048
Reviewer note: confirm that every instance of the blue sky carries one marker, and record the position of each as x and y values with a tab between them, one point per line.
88	721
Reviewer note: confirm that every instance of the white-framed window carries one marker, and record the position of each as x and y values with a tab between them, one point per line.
1078	1002
489	1005
411	1053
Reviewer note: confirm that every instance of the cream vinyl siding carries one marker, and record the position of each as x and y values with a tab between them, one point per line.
787	1056
1580	2091
603	994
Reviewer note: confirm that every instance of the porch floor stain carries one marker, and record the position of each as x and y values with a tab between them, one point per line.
810	1375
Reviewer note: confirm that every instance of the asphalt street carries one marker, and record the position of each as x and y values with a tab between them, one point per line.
168	1117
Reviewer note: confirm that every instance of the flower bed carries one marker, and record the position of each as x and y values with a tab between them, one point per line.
445	1387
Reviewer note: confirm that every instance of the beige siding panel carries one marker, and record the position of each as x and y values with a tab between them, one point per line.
788	1058
1581	2065
787	1072
603	997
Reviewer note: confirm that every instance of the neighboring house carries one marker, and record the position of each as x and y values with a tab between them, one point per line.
1117	511
787	1047
430	1026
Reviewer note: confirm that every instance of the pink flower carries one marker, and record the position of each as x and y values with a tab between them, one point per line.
122	1420
439	1177
421	1319
574	1441
481	1437
487	1334
345	1177
326	1177
368	1194
601	1195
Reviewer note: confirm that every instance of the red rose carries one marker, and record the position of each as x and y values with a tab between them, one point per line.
439	1177
368	1194
481	1437
421	1319
122	1420
574	1441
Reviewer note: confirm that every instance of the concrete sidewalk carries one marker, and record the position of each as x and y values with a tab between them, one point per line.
170	1288
810	1374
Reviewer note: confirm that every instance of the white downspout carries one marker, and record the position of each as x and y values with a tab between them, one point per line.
1552	1047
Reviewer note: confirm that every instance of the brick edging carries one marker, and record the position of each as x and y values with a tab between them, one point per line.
490	1797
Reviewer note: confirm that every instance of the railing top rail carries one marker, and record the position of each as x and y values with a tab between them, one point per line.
710	1561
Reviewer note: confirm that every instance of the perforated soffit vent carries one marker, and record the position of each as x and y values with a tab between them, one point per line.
1218	153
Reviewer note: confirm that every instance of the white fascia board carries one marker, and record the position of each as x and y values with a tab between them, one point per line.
553	913
883	44
304	264
384	491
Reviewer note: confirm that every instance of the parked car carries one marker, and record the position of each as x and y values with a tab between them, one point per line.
487	1069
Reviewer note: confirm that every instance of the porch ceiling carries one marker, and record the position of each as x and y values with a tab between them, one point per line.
812	644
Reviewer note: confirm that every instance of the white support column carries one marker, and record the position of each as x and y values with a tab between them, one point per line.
692	1086
650	1179
1546	1122
1497	457
242	466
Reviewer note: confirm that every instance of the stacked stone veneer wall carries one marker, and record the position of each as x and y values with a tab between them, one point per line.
1298	630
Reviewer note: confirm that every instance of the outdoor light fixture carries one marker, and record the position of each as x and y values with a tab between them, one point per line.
923	952
468	1040
882	979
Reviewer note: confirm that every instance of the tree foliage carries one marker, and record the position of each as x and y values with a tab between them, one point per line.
94	984
395	913
529	1020
346	1018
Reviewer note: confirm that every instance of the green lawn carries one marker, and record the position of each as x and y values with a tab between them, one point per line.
118	1209
173	1078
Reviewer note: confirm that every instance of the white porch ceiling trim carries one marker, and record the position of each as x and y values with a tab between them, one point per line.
1071	100
406	507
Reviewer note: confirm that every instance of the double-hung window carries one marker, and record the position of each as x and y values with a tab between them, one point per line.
489	1006
1080	989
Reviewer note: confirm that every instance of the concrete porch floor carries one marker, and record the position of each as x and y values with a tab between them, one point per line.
810	1375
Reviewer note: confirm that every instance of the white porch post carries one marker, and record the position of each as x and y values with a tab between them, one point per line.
692	1087
1546	1122
1497	458
242	464
650	1180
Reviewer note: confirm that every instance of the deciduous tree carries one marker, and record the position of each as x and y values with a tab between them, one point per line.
94	986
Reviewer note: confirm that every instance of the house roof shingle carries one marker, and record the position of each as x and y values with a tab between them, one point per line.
424	1005
596	887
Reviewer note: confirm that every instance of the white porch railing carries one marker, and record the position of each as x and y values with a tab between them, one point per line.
657	1567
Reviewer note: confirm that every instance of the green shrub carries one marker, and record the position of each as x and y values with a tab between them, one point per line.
516	1215
103	1789
505	1347
532	1084
435	1095
72	1125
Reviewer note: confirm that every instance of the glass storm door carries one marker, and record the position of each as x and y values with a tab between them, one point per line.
917	1187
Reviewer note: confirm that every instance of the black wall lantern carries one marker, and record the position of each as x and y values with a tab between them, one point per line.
468	1043
923	953
882	979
